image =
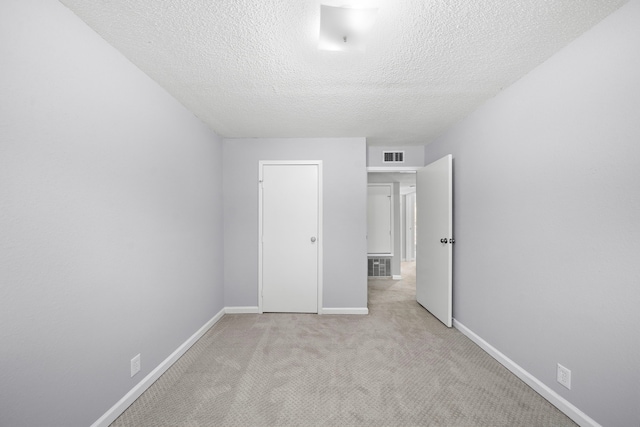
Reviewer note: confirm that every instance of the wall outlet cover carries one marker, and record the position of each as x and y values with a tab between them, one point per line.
564	376
135	365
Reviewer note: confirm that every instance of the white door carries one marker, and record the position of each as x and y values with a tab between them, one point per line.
410	222
379	219
434	200
290	218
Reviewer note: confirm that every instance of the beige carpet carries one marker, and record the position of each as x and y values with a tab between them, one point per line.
398	366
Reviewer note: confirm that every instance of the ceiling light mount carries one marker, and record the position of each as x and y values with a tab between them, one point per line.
345	29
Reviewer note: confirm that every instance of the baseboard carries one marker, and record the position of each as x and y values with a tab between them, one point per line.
241	310
253	310
117	409
349	310
396	277
558	401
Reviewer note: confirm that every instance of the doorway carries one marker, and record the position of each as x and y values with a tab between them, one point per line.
402	187
434	237
290	233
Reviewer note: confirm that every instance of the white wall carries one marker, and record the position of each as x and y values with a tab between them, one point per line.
547	219
345	211
110	220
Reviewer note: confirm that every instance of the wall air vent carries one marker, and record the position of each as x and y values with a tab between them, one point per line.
393	157
379	267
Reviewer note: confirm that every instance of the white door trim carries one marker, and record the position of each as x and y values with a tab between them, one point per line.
393	168
319	241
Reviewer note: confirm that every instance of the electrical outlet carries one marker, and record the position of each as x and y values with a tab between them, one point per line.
564	376
135	365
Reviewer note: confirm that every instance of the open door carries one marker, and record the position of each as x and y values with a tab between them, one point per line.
434	199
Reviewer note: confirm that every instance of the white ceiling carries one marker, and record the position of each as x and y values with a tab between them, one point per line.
252	68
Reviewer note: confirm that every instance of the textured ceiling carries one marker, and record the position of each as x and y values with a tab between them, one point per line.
252	68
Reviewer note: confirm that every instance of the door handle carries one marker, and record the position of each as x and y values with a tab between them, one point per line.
313	239
443	240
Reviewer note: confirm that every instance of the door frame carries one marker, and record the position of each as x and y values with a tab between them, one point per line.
416	169
391	169
319	237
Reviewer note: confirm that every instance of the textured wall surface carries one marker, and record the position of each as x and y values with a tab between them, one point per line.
345	213
110	220
252	68
547	219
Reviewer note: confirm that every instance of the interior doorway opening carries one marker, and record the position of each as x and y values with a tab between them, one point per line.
433	235
402	226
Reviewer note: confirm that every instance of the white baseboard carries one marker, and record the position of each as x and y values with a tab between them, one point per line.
254	310
558	401
241	310
117	409
396	277
349	310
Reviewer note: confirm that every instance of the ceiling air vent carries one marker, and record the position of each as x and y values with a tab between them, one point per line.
393	157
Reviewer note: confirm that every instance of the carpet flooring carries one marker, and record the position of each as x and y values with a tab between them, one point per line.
397	366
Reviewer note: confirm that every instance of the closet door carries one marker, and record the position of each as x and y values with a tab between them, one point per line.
379	219
290	237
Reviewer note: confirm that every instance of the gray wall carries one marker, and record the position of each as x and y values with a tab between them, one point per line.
547	219
110	220
345	210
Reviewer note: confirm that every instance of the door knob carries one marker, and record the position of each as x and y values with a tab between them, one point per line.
451	241
313	239
443	240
